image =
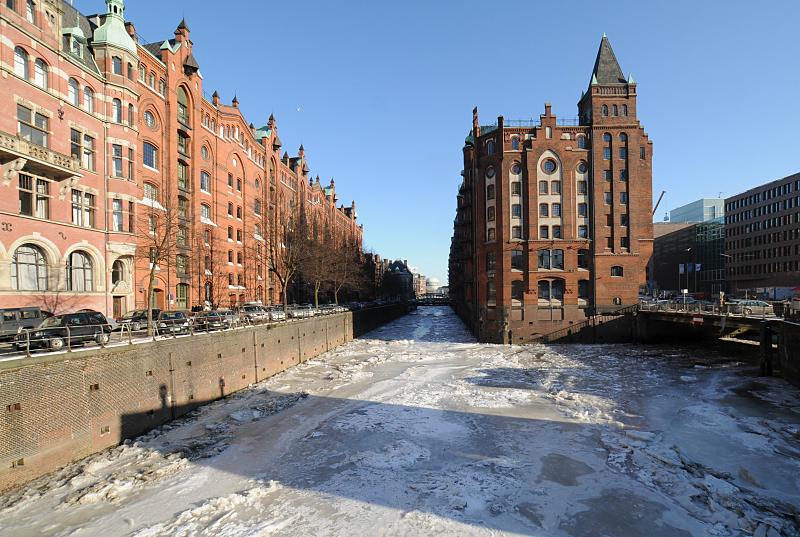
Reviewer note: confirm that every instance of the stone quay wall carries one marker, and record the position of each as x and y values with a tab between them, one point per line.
56	409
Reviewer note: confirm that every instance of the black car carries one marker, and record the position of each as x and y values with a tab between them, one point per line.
136	319
67	329
172	322
210	320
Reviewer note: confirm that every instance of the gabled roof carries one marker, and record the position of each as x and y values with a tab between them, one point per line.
606	67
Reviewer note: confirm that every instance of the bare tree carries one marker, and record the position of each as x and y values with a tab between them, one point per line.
58	299
316	265
345	271
289	246
160	235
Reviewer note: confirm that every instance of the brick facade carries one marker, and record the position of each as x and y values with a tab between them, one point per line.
554	216
97	129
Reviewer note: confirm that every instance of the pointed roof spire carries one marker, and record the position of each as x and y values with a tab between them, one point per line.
630	79
183	26
606	68
235	101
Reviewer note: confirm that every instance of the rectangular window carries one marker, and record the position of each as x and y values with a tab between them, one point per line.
32	126
607	197
582	187
583	289
180	265
150	156
150	192
607	175
205	212
131	165
491	234
116	160
183	175
555	209
583	232
238	235
623	197
543	187
183	208
610	220
34	203
557	259
516	210
230	209
116	65
606	153
544	259
490	213
555	187
516	232
624	220
116	215
623	153
583	210
583	259
205	182
230	180
182	237
516	188
491	261
544	210
491	291
642	153
544	232
623	175
183	144
624	242
82	209
556	232
239	185
610	242
517	260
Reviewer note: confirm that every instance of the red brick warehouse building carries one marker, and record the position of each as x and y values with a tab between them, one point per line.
554	216
100	133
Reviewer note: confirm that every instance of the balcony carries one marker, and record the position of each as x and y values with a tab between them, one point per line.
17	153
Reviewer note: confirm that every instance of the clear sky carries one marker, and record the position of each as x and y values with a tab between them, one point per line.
381	93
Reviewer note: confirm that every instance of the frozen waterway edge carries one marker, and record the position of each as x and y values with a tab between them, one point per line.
418	430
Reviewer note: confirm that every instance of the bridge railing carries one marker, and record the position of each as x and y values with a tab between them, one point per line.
730	309
592	321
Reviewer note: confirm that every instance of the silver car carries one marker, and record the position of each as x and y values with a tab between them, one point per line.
754	307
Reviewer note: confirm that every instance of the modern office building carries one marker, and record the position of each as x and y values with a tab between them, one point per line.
702	210
554	216
688	256
762	243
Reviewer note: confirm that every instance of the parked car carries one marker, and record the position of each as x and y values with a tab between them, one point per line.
209	320
69	328
136	319
12	319
172	322
231	318
253	313
114	324
754	307
276	313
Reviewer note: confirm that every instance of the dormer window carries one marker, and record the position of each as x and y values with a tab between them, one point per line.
75	47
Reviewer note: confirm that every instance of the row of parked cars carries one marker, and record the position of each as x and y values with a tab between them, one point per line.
733	305
34	328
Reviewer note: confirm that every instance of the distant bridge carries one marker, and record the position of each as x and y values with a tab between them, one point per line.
433	299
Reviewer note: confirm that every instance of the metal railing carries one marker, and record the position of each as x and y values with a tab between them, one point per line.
28	341
732	309
594	320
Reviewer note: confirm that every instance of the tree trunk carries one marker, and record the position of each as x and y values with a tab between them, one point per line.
150	286
316	293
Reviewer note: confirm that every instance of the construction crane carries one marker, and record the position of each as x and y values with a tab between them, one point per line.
661	197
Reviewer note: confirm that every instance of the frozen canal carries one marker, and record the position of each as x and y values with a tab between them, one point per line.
419	430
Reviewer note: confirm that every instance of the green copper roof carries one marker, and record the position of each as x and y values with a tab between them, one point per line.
112	31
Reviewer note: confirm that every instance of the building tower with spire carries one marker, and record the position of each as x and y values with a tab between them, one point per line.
554	216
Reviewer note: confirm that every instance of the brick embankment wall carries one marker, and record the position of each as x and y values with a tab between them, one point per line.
60	408
789	352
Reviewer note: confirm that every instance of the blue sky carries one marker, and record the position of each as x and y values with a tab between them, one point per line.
381	93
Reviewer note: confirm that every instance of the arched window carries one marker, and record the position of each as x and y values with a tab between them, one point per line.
40	73
29	269
116	65
150	192
162	86
582	142
151	80
607	137
258	185
183	106
271	171
74	92
182	296
116	110
623	137
604	110
21	66
88	99
489	192
130	71
624	109
117	272
515	143
130	114
614	110
490	147
79	272
617	271
150	155
205	182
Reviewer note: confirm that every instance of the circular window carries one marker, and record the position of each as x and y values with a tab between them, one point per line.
204	152
582	167
149	119
515	169
490	173
549	166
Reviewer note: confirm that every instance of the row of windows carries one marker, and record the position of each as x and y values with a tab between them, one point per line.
770	208
764	195
150	80
30	8
615	110
545	232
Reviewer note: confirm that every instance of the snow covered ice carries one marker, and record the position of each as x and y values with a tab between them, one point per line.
419	430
